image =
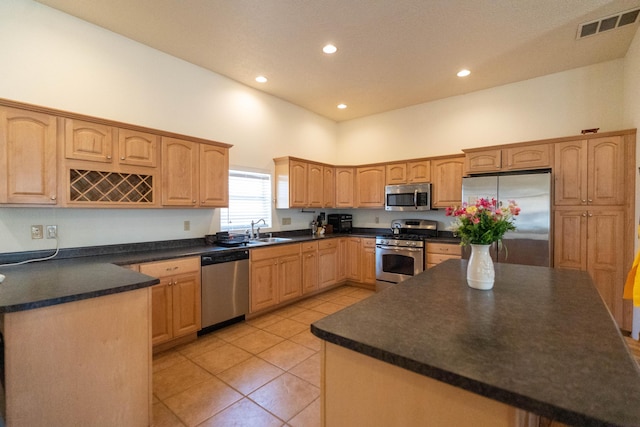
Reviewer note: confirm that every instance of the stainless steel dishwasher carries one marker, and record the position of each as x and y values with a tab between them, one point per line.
225	288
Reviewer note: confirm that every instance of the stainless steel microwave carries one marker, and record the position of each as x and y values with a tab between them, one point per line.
408	197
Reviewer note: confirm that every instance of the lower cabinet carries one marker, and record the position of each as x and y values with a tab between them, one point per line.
439	252
369	262
310	273
361	261
328	262
275	277
589	239
175	301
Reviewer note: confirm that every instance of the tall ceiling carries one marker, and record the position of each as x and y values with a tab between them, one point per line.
391	53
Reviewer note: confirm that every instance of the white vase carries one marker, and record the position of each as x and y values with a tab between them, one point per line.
480	272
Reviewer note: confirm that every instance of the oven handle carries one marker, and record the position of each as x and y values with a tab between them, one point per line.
395	248
415	198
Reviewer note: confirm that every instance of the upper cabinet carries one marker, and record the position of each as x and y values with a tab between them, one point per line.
329	186
590	172
414	172
138	148
520	157
315	187
28	143
303	184
345	183
194	174
88	141
369	189
446	174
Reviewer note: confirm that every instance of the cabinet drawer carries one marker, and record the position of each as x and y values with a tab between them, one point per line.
368	243
274	252
444	248
309	246
438	258
328	244
171	267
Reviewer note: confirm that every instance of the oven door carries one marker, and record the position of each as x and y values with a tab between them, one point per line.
395	264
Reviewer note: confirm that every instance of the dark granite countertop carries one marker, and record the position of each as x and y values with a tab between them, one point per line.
541	340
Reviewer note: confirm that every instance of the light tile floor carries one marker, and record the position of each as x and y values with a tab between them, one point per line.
262	372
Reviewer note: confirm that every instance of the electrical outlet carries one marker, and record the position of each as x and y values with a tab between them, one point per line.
52	231
187	225
36	232
377	220
286	221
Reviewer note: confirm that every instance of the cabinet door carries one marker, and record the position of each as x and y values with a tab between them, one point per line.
27	157
419	172
483	161
315	186
214	176
309	267
298	184
264	291
527	157
88	141
370	184
138	148
328	262
343	260
570	173
570	239
605	171
161	312
289	277
396	173
369	261
604	261
329	187
180	172
354	256
345	181
185	290
447	182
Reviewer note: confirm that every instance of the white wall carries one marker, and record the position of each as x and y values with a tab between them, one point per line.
55	60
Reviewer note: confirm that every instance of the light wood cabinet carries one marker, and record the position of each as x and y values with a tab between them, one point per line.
214	176
369	262
315	187
446	174
520	157
418	171
328	262
343	259
276	275
345	184
590	172
590	239
28	143
88	141
414	172
396	173
175	301
310	272
369	188
137	148
180	172
438	252
354	259
329	186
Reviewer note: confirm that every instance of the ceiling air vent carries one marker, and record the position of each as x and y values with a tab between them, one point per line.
608	23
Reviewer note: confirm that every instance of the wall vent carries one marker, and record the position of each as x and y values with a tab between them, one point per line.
608	23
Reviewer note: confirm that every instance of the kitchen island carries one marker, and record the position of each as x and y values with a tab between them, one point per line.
77	345
432	351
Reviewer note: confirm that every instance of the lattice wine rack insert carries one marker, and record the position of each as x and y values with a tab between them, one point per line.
110	187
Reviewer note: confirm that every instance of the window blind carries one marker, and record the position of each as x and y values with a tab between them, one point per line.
249	200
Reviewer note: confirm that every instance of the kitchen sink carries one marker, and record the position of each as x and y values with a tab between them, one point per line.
272	239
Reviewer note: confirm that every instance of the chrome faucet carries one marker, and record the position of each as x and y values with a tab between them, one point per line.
254	235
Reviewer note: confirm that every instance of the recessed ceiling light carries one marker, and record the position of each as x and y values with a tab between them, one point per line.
261	79
329	49
342	106
463	73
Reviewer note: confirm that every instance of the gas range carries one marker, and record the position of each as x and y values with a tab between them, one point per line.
410	233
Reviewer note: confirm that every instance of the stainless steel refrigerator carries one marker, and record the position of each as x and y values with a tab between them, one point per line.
530	243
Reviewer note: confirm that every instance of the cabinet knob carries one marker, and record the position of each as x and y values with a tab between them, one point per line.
590	200
583	201
53	197
193	201
108	157
121	158
590	214
584	214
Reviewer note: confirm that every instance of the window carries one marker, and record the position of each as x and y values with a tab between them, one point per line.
249	200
